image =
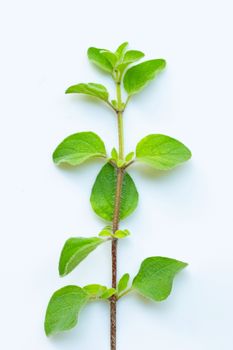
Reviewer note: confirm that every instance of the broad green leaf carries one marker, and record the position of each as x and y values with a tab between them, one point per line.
155	277
63	309
92	89
111	57
95	55
162	152
108	293
77	148
121	233
103	194
75	250
137	77
132	56
123	283
95	291
121	49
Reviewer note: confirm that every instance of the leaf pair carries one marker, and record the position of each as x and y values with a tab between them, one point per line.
154	281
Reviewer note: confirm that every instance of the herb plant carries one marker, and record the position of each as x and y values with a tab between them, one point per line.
114	195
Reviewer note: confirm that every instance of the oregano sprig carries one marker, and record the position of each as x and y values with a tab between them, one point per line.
114	195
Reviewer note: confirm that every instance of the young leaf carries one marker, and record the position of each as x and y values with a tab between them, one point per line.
137	77
155	277
63	309
103	194
77	148
75	250
132	56
129	156
96	90
121	233
162	152
121	49
96	56
123	283
114	154
95	291
111	57
108	293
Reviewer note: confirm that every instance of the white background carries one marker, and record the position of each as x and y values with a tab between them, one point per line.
184	214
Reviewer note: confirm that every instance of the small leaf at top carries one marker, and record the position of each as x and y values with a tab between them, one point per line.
132	56
95	55
75	250
162	152
77	148
123	283
137	77
104	190
114	154
121	49
129	156
155	277
92	89
111	57
63	309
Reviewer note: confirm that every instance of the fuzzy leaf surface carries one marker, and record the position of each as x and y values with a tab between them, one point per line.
155	277
92	89
74	251
137	77
162	152
77	148
103	194
95	55
63	309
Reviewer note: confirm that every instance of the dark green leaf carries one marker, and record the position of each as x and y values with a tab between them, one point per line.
95	55
123	283
63	309
103	194
96	90
155	277
137	77
162	152
75	250
77	148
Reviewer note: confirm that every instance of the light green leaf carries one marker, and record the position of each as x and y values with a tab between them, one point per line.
74	251
162	152
92	89
108	293
114	154
95	55
110	56
132	56
63	309
95	291
129	156
121	49
155	277
103	194
121	233
137	77
123	283
77	148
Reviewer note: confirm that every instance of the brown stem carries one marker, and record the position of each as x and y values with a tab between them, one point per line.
113	301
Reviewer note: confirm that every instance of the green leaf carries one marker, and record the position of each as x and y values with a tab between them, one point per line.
121	233
137	77
121	49
129	156
92	89
123	283
114	154
103	194
162	152
108	293
155	277
63	309
75	250
95	291
95	55
132	56
77	148
110	56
